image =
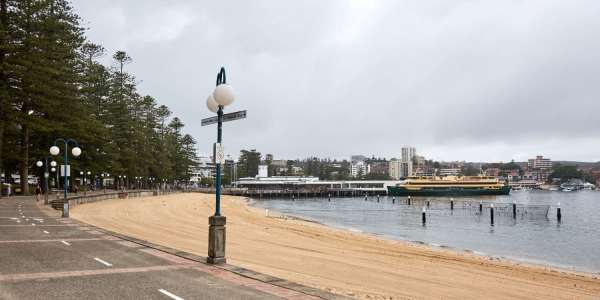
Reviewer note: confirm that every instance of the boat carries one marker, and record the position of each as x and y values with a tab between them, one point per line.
450	186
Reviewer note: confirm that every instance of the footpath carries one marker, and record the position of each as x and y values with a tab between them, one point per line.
43	256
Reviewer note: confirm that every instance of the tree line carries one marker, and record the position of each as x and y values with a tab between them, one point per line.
52	86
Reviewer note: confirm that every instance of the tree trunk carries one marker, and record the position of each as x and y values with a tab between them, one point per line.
24	168
4	29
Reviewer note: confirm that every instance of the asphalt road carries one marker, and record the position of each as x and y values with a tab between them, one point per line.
43	256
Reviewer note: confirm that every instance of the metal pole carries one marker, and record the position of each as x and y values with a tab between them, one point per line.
65	213
46	175
218	179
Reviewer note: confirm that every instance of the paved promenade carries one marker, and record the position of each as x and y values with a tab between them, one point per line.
45	257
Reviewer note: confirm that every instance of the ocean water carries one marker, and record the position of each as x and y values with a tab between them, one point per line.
535	235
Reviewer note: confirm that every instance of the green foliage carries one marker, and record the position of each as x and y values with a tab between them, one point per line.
248	163
51	86
564	173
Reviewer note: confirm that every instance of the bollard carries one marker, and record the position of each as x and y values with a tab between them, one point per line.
423	216
377	197
408	200
427	203
492	214
266	212
558	213
329	197
514	209
451	204
480	206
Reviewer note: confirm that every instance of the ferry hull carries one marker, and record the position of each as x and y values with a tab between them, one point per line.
456	192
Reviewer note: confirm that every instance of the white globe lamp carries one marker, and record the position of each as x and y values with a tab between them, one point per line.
54	150
223	94
53	169
76	151
53	163
212	104
39	163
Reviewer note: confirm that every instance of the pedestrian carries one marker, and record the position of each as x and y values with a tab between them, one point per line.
38	192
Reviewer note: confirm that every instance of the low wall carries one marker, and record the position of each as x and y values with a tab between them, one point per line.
82	199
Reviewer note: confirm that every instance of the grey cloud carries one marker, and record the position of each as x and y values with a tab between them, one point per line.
460	80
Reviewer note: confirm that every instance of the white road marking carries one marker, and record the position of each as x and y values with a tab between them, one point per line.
46	232
66	243
171	295
103	262
32	224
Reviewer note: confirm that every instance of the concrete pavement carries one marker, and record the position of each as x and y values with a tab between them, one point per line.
45	257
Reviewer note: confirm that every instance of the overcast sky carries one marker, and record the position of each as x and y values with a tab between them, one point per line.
458	80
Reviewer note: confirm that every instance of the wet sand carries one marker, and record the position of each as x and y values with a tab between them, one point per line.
344	262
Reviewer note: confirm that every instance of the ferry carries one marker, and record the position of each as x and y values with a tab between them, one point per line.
450	186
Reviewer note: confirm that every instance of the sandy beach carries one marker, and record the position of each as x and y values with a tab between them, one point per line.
353	264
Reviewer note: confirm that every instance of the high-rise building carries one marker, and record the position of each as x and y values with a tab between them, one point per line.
394	168
408	153
540	163
359	168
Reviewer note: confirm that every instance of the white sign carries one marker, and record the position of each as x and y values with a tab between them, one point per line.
219	153
62	170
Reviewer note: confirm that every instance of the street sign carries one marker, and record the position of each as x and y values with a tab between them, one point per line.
62	170
226	117
219	153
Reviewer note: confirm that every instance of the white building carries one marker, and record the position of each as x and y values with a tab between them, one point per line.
263	171
359	168
539	163
205	168
408	153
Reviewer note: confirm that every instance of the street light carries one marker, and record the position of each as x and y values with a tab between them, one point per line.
40	164
76	151
220	97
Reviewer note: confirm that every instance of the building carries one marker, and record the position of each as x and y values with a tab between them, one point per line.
495	172
205	168
359	168
539	163
268	157
408	153
394	168
357	158
263	171
380	167
542	167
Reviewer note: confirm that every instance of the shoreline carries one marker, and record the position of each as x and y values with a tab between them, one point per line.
532	262
547	265
355	264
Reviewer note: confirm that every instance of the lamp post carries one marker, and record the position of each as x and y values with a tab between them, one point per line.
40	164
76	151
221	97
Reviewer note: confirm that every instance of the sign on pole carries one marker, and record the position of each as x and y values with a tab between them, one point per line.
219	153
62	170
226	117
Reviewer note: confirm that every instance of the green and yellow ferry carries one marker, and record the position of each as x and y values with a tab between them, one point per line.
450	186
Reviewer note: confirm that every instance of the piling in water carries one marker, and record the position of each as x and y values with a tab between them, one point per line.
427	203
558	213
377	198
393	200
329	197
408	200
514	206
451	204
492	214
423	216
480	206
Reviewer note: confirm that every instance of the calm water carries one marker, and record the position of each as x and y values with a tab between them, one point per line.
534	236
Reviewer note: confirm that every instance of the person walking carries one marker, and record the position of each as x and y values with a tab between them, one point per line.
38	192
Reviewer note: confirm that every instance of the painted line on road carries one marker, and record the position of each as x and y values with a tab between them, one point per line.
44	225
53	275
66	243
50	240
46	232
103	262
171	295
